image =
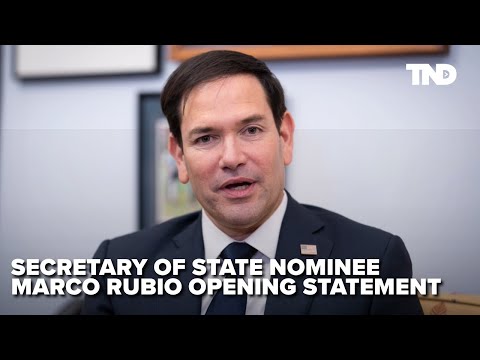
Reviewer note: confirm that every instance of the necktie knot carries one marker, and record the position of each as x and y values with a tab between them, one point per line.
238	250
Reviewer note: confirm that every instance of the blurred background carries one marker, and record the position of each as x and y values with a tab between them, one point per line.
368	145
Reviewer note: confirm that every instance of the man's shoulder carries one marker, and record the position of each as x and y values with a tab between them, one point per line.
348	233
151	239
332	218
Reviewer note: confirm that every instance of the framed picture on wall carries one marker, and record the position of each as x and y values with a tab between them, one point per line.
162	196
75	61
286	52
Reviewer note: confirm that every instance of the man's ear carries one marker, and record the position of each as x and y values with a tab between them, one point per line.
286	136
176	151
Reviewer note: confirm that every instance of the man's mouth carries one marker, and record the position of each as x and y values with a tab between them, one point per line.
237	183
238	187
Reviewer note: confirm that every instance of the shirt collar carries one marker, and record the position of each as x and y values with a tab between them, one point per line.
264	239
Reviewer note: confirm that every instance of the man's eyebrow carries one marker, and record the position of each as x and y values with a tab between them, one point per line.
252	119
200	130
206	129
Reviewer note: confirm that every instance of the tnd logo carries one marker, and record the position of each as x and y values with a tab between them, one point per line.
444	74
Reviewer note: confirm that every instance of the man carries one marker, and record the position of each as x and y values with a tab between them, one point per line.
231	138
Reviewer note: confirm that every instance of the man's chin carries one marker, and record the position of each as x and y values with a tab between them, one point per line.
236	220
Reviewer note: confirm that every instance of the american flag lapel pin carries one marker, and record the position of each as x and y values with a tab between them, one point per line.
308	249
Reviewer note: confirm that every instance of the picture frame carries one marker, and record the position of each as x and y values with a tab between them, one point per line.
37	62
161	195
289	52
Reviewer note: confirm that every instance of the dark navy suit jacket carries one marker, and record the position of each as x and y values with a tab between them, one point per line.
335	237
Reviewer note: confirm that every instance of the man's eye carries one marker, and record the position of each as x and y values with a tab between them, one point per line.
252	130
204	139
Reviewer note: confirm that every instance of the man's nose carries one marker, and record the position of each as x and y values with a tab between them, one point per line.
233	154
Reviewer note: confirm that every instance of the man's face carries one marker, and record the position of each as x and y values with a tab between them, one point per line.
233	154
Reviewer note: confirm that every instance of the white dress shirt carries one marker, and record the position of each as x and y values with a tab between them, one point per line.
264	239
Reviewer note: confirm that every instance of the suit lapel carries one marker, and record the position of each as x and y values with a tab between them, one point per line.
186	245
299	227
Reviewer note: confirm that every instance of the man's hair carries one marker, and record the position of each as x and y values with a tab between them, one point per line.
211	66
